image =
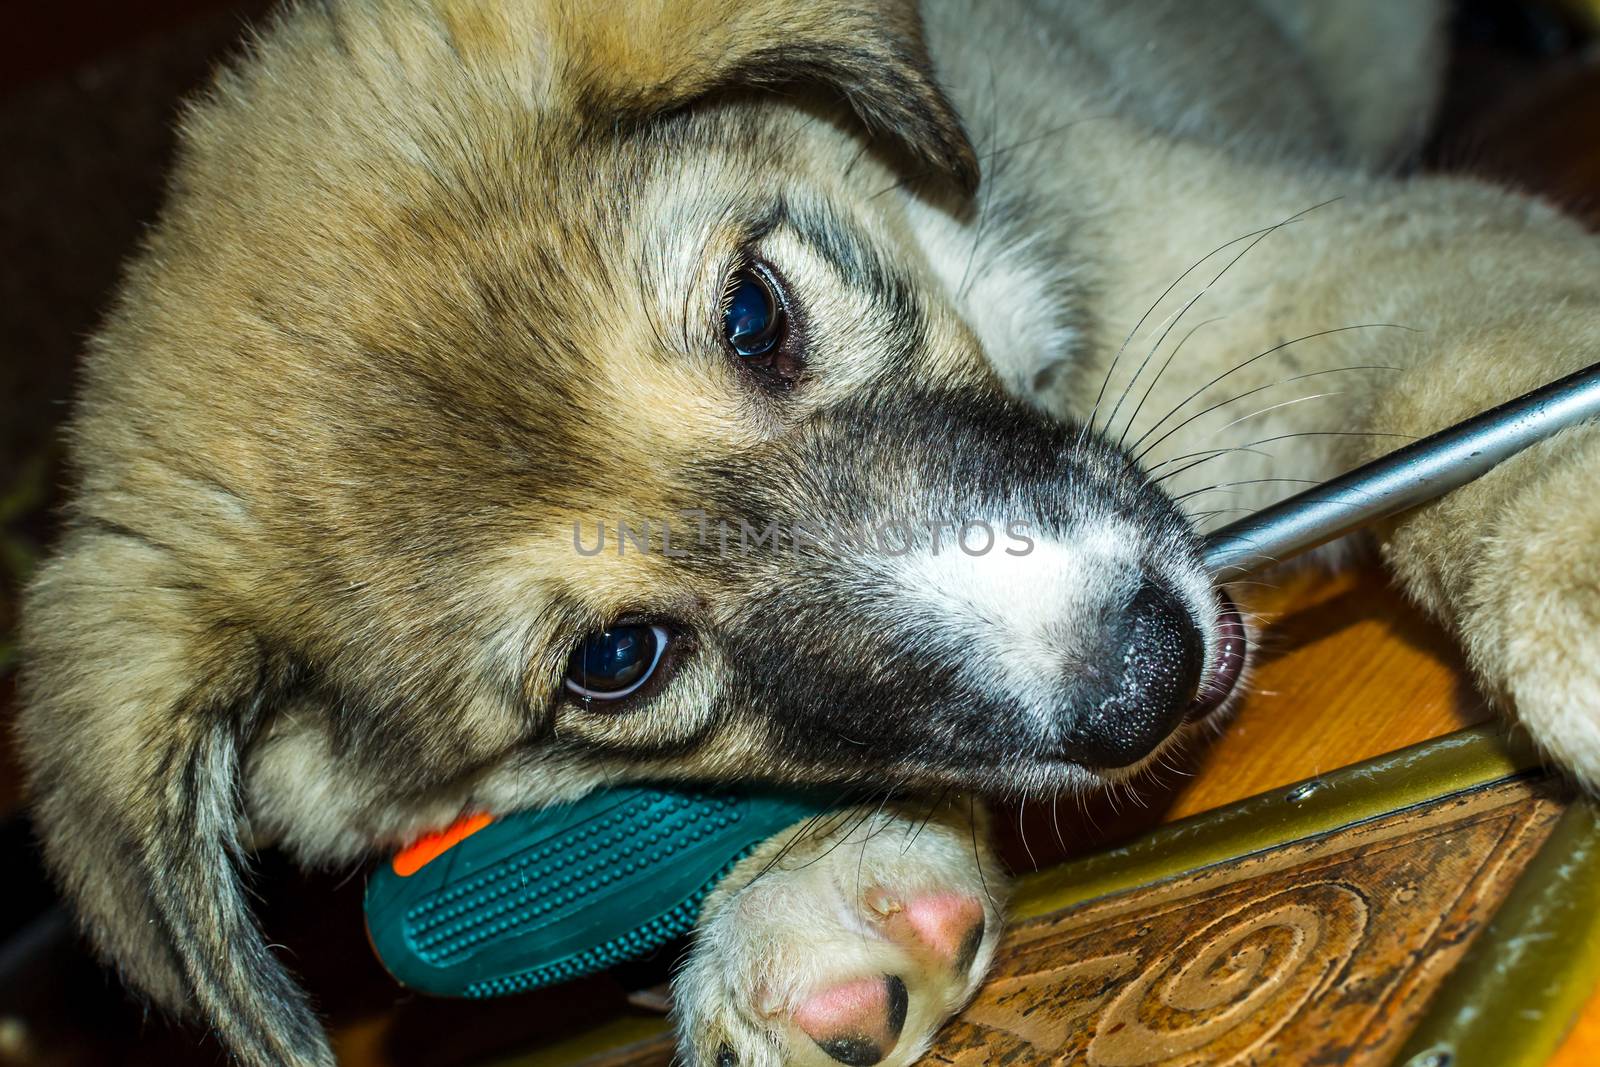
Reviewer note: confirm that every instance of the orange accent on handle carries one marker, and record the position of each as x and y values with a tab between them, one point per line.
431	846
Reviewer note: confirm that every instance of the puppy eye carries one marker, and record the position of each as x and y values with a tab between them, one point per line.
754	321
616	662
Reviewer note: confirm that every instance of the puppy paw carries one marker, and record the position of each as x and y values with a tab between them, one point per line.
1533	627
851	945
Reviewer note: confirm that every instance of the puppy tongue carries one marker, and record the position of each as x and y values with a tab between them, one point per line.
1230	661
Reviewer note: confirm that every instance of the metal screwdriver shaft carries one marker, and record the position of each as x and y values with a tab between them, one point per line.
1412	475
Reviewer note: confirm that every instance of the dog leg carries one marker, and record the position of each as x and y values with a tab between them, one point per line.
1499	295
1499	302
847	942
1378	64
1513	561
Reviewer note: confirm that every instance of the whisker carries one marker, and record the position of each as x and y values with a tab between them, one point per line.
1274	407
861	860
1164	329
933	807
1134	416
846	800
1085	811
1209	455
839	839
986	195
1265	585
1242	366
1260	389
861	821
1281	437
1137	326
1203	452
1177	318
1022	832
1258	235
889	795
1245	481
1196	516
850	167
977	856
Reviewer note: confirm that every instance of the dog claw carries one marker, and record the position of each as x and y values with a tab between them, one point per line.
884	904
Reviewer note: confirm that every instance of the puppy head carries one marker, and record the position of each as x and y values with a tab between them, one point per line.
447	294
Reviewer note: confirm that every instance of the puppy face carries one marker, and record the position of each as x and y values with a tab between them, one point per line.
707	478
449	294
479	414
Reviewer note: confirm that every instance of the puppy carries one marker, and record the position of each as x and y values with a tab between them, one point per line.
879	351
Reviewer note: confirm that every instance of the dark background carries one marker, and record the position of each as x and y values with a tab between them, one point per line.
88	93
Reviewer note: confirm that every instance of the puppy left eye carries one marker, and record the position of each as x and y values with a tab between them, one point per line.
616	662
753	323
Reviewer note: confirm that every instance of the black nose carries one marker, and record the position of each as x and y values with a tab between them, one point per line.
1148	670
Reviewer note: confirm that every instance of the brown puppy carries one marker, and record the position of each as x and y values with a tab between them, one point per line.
449	292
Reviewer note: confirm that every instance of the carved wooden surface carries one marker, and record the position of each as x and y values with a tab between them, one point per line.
1320	952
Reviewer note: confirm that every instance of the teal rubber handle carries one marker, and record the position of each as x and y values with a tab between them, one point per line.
549	895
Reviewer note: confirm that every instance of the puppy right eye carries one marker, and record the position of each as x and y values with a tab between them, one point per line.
760	327
616	662
753	322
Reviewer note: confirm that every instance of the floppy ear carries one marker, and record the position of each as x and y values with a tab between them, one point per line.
136	706
649	56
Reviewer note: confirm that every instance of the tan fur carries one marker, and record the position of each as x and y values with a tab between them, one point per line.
435	281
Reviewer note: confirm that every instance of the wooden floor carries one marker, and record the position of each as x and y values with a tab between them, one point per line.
1347	672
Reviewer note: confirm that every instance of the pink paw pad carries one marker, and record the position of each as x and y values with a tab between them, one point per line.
949	925
857	1022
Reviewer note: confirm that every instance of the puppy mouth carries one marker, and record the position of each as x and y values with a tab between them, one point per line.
1229	668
